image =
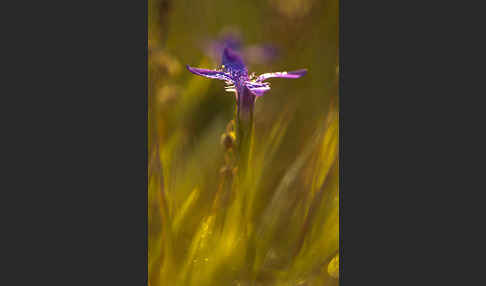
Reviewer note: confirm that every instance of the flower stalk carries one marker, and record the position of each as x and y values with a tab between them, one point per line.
247	87
244	128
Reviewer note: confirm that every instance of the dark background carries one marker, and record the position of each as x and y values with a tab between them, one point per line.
74	201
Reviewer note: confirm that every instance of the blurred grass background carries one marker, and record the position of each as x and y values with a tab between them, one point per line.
280	226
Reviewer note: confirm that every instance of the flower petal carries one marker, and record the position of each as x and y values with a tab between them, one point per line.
233	61
258	88
230	88
258	92
290	74
210	73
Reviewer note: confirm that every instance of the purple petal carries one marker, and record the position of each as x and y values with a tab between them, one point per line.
290	74
231	37
258	92
210	73
232	41
233	61
214	49
258	88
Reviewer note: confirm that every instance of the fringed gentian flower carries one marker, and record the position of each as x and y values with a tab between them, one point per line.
247	88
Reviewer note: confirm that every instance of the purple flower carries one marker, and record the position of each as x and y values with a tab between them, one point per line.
235	74
231	38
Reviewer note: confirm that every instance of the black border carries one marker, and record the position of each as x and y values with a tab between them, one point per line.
78	152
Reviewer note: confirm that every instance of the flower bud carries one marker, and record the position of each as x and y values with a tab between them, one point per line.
228	140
